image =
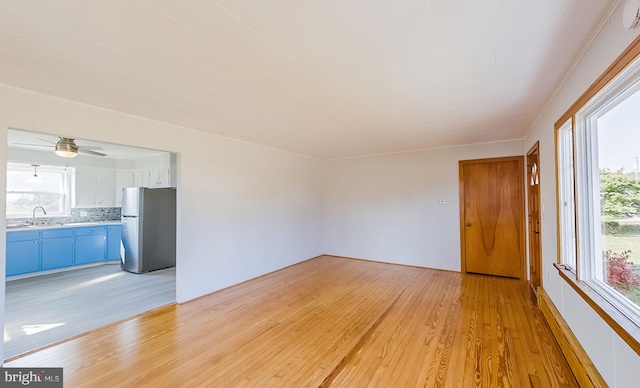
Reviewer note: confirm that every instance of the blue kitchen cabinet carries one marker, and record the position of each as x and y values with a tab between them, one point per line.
45	249
114	235
90	245
23	252
57	248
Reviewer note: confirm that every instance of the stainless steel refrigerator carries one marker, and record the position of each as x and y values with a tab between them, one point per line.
148	229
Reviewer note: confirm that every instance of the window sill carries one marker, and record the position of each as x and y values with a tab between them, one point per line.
619	322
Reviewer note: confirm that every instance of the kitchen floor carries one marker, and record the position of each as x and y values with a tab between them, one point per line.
45	309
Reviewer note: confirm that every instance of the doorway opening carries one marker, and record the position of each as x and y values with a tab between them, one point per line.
65	242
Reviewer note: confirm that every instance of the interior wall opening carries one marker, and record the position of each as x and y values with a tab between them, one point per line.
84	224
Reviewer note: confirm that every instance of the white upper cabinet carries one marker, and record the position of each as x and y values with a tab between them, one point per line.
137	178
146	178
94	187
102	186
155	177
85	186
163	176
105	188
124	178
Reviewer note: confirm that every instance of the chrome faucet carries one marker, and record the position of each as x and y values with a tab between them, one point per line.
34	213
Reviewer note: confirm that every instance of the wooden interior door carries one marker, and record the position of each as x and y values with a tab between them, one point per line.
492	216
533	202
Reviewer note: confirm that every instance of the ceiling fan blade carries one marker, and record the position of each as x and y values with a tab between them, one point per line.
89	152
45	140
31	144
90	148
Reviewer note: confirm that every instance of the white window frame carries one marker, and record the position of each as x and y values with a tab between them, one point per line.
566	182
66	194
589	241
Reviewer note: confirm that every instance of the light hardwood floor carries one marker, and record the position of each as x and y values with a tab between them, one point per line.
327	322
45	309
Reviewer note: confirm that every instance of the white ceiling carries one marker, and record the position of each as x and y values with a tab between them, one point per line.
323	78
46	143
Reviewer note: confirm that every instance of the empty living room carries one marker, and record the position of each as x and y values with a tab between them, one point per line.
368	193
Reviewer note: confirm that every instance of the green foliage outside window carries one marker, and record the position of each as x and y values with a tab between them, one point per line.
620	194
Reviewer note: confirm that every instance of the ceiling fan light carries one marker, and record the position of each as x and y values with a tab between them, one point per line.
65	154
66	148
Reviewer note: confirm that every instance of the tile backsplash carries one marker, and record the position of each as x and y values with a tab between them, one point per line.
94	214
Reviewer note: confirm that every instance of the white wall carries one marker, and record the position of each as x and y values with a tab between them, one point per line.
243	210
387	207
615	360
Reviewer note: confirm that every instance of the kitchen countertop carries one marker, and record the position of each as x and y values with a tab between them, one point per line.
58	226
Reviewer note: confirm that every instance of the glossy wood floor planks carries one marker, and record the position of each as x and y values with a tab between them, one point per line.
330	322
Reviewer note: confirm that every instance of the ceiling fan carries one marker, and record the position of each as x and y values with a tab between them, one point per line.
66	147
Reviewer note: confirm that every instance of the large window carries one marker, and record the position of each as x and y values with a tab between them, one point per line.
29	186
598	165
566	208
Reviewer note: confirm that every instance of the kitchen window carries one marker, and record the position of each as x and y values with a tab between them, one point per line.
34	185
598	183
